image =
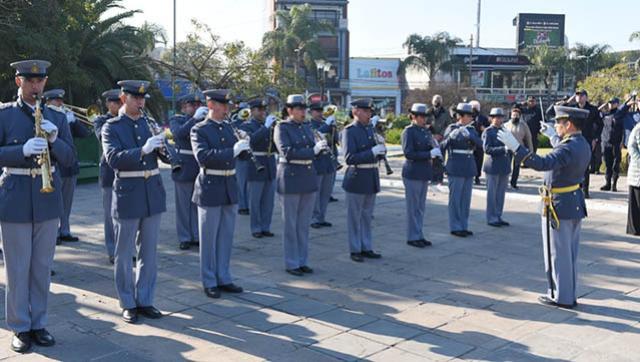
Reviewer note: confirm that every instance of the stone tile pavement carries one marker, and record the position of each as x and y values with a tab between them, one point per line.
462	299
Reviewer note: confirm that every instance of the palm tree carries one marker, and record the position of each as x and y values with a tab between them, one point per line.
428	53
546	62
588	58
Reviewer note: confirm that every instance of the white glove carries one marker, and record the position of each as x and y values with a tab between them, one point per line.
34	146
153	143
378	150
331	120
200	113
71	117
436	153
240	146
454	134
464	132
271	119
509	141
320	146
547	129
51	130
375	120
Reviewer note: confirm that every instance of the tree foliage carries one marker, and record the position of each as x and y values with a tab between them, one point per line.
585	59
429	53
617	81
546	62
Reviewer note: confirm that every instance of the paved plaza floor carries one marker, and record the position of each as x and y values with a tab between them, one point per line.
461	299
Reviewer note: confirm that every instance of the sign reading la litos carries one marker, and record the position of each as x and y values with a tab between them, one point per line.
373	73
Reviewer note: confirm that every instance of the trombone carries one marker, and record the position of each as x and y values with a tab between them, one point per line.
85	115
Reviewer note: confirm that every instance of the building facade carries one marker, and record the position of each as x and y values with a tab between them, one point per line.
376	78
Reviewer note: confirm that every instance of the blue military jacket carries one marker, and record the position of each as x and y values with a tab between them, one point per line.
323	162
212	143
499	160
260	140
459	163
20	198
295	144
565	166
78	130
417	143
106	172
180	126
136	197
357	140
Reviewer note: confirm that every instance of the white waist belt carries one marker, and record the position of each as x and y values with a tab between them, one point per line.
219	172
464	152
262	153
185	152
134	174
367	165
25	171
296	162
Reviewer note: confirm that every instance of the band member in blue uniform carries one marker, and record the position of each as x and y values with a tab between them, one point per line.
417	146
242	164
361	180
55	98
139	200
29	215
185	177
216	192
296	182
112	98
496	168
325	164
563	199
261	185
460	140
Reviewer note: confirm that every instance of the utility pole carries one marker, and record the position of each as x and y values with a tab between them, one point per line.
478	25
471	61
173	71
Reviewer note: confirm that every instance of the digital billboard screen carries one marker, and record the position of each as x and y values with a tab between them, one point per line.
540	29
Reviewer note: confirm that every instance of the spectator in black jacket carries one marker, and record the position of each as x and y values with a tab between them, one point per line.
532	115
611	140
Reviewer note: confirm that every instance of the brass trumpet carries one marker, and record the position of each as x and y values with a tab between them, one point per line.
85	115
329	110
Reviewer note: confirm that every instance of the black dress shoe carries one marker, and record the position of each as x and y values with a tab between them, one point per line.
212	292
550	302
371	254
333	199
150	312
326	224
69	238
458	233
268	234
112	260
425	242
184	245
21	342
504	223
306	269
495	224
316	225
130	315
469	233
477	181
415	243
53	272
42	337
257	235
195	242
357	257
230	288
297	272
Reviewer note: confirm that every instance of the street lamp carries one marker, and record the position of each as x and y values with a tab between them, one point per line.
588	58
323	68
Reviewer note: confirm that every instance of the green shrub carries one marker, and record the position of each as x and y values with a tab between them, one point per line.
393	136
543	141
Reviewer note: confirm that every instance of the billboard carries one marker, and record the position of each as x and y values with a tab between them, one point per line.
374	73
539	29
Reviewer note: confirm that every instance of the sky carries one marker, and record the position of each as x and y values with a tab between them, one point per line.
379	27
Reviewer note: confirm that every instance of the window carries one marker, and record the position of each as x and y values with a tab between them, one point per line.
326	16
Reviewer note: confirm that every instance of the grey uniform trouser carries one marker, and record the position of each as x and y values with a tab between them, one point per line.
496	189
296	216
325	187
459	202
261	200
415	194
68	187
186	212
28	255
139	292
564	258
109	237
242	169
216	240
359	216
